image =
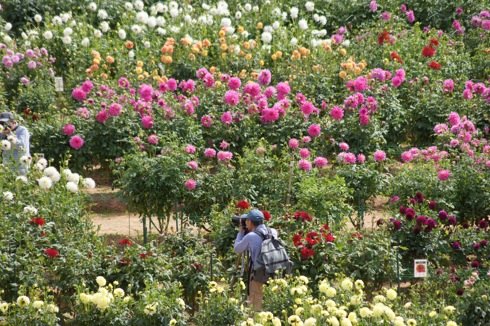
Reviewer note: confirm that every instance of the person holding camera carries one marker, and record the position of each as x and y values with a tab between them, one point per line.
15	143
252	242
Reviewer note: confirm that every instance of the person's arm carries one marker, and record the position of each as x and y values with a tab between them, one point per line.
23	140
241	242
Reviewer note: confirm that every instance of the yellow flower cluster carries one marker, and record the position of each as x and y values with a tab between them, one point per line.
103	298
350	68
96	63
215	287
167	50
341	303
24	302
300	53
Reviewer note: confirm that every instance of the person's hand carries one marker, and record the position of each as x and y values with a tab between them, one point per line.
6	131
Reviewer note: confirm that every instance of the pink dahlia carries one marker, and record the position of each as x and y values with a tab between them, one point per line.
234	83
360	84
454	119
87	86
209	152
293	143
379	156
76	142
190	149
270	91
350	158
443	175
190	184
361	158
102	116
224	144
269	115
265	77
68	129
206	121
252	88
448	85
147	122
146	92
115	109
227	118
192	165
337	113
224	156
314	130
307	108
304	165
153	139
78	94
440	128
320	162
304	153
344	146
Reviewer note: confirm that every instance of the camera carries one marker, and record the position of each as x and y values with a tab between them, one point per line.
239	221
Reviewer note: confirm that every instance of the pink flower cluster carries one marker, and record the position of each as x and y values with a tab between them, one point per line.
428	154
34	58
482	20
472	88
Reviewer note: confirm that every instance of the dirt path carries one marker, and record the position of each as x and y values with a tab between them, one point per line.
110	214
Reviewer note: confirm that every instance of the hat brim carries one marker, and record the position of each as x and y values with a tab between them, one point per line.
4	119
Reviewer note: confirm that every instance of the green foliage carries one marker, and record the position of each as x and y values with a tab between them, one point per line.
220	306
471	196
414	177
254	182
369	257
159	194
366	181
326	197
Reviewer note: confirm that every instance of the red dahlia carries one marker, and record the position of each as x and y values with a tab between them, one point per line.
39	221
312	238
304	216
307	253
297	239
51	252
434	42
267	215
428	51
383	37
435	65
396	57
243	204
125	242
329	237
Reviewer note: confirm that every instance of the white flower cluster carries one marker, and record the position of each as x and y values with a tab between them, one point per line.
52	176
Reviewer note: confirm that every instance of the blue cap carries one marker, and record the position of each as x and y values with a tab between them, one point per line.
255	215
6	116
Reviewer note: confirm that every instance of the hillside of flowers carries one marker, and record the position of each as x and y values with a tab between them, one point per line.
317	113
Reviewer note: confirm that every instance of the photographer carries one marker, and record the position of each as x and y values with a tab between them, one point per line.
15	143
252	242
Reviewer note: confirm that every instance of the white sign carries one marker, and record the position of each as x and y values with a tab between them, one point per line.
58	84
420	268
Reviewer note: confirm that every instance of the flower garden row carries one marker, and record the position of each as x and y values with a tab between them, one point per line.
307	112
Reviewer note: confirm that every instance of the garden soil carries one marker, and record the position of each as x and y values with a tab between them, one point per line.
109	213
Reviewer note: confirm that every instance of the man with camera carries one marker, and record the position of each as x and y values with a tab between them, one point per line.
250	237
15	143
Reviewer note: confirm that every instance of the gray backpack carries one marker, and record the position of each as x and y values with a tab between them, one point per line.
273	257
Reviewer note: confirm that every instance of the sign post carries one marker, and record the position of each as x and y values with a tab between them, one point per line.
420	268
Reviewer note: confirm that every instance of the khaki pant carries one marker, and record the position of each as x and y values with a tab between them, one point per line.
256	295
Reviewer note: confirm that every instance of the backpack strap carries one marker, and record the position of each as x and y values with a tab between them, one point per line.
263	236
